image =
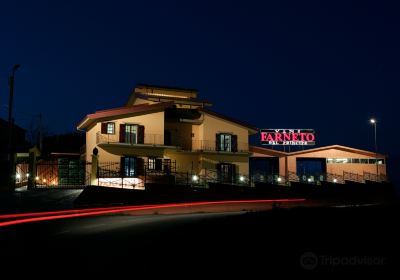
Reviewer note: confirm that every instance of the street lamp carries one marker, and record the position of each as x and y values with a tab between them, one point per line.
374	123
10	125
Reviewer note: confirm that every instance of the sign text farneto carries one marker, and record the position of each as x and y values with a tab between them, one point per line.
287	137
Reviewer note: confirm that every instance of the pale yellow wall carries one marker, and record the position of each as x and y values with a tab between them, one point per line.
184	160
213	125
154	127
209	161
282	166
196	132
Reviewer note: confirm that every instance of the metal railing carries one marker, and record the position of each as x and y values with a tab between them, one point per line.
348	176
211	146
149	139
184	144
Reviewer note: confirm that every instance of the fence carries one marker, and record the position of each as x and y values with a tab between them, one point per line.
62	173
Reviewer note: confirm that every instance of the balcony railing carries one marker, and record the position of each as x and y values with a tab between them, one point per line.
211	146
149	139
184	144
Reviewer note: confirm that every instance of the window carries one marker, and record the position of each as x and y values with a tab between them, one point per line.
131	133
108	128
355	160
225	142
129	166
152	164
342	160
226	172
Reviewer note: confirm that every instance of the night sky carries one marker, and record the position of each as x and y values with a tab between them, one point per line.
326	65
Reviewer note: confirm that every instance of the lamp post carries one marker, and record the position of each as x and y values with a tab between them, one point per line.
374	122
10	126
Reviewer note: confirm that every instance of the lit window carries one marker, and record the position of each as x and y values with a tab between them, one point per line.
330	160
110	128
381	161
129	166
342	160
152	163
225	142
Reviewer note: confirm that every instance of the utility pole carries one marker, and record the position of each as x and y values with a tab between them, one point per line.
11	156
374	122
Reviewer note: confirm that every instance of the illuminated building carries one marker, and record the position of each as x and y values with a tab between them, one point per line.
165	131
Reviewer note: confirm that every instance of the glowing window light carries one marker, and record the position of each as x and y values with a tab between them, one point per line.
18	176
279	179
44	180
37	178
195	178
241	178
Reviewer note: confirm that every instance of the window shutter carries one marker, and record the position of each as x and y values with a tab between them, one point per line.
103	128
122	133
233	173
139	167
234	143
122	167
219	173
159	164
140	134
218	142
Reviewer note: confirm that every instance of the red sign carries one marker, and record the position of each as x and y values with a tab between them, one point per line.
293	137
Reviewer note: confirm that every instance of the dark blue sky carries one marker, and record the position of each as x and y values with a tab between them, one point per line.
326	65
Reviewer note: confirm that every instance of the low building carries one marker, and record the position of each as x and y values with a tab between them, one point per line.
163	131
331	163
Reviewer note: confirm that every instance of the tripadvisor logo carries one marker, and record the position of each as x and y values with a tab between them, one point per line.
310	261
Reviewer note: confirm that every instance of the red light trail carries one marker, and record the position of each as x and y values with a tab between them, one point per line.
64	214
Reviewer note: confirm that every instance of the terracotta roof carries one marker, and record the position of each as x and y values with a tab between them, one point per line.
338	147
167	88
266	151
181	100
218	115
122	111
271	152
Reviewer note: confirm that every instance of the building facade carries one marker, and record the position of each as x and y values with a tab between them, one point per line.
169	135
331	163
166	131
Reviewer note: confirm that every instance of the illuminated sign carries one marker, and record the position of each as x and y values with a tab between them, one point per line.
292	137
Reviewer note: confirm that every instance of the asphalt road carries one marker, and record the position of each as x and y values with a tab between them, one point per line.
249	244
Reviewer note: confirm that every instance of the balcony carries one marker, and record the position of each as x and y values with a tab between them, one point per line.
149	139
211	146
157	140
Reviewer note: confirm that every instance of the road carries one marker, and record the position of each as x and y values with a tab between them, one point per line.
247	243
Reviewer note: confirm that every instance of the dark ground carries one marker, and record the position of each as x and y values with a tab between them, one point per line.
251	245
